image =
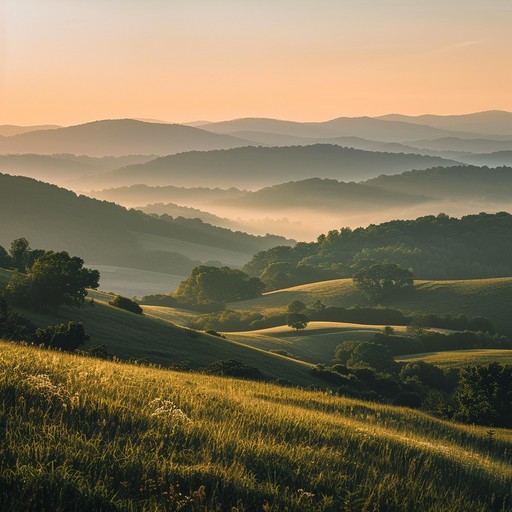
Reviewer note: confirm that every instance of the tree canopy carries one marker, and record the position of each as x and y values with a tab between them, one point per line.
219	284
55	279
382	279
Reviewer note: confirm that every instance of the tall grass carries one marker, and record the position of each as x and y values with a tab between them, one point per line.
85	434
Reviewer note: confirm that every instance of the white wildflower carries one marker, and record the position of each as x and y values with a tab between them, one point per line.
167	409
43	386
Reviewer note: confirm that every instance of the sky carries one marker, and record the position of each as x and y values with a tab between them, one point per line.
72	61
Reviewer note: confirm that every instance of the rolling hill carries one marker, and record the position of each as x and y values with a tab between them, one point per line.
320	194
110	436
7	130
367	127
458	183
117	137
59	169
461	358
105	233
489	122
251	167
489	298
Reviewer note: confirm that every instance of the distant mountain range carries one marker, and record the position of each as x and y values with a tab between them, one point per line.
8	130
117	138
253	167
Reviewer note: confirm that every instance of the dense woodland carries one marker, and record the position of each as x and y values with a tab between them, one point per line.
435	247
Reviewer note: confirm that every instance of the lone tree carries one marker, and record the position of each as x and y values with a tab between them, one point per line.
382	279
55	279
297	321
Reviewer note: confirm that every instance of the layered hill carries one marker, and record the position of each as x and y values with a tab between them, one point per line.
251	167
117	137
367	127
489	122
61	168
105	233
459	183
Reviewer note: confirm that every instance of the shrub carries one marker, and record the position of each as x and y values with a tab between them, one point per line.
233	368
408	399
125	303
63	336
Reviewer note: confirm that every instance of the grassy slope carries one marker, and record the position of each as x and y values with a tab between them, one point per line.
90	437
315	344
490	298
128	335
460	358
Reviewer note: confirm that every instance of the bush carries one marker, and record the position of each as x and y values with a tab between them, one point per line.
125	303
68	336
13	326
233	368
213	332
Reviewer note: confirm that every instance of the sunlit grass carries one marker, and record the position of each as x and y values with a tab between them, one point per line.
460	358
90	434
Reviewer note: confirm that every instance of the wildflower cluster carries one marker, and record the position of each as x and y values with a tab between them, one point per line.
54	394
167	409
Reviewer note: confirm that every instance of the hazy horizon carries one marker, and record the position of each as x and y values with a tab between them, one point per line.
69	63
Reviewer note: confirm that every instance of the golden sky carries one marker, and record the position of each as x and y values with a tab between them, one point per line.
72	61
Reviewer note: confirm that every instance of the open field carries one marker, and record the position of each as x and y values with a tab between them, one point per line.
490	298
111	436
315	344
459	358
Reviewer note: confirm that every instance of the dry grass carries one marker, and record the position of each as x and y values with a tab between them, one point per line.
460	358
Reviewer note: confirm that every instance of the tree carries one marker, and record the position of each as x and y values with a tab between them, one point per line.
63	336
296	306
297	321
382	279
19	253
372	355
220	284
5	259
55	279
484	395
14	326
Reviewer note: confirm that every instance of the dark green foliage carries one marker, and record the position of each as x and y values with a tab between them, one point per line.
68	336
436	247
160	300
55	279
296	306
382	280
484	395
218	284
372	355
14	326
19	251
408	399
125	303
429	341
5	258
427	374
233	368
297	321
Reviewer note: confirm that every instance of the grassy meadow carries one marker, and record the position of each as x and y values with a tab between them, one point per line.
490	298
85	434
461	358
315	344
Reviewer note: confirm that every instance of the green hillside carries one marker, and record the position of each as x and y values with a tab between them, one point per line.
108	436
490	298
127	335
461	358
